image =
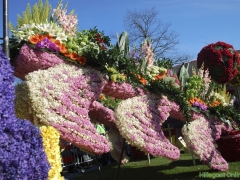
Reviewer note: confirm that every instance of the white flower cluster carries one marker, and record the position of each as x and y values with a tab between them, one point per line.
220	98
153	71
27	30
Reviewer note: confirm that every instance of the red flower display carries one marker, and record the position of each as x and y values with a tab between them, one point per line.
221	60
229	145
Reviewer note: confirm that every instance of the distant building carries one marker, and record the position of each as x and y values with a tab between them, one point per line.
192	64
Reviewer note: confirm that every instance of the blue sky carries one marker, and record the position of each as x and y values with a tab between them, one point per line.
198	22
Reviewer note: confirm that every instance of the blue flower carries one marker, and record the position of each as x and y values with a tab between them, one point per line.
22	153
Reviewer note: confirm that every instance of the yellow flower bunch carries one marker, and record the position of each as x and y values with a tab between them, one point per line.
52	149
115	75
102	97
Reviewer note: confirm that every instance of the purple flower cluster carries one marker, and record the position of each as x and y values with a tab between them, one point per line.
136	56
200	105
22	153
46	43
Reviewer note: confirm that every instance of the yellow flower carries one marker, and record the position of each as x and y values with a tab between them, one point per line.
52	149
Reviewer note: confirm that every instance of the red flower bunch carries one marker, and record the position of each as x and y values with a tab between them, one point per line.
235	132
229	145
221	60
100	41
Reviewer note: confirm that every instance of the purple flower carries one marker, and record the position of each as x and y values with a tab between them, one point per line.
200	105
46	43
21	146
196	103
136	56
53	47
203	107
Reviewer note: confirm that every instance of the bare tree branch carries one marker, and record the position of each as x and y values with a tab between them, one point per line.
144	24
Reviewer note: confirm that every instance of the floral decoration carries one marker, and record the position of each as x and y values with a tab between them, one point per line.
211	99
67	70
51	138
139	121
229	144
218	127
116	143
87	48
60	97
236	80
22	109
121	90
226	114
102	114
221	60
30	60
198	137
21	144
58	35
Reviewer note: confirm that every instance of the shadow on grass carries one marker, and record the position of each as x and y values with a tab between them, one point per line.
177	170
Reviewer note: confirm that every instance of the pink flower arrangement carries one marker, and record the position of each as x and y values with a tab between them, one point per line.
61	96
102	114
176	112
30	60
67	21
148	52
121	90
139	121
199	140
219	127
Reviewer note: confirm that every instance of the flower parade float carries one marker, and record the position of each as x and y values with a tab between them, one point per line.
222	62
65	72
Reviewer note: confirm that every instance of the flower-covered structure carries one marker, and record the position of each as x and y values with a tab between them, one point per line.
221	60
65	73
21	147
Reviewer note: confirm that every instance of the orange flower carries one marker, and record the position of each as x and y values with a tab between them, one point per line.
57	42
63	49
49	37
74	56
160	76
66	54
191	101
41	37
102	97
142	80
34	39
214	103
195	99
82	60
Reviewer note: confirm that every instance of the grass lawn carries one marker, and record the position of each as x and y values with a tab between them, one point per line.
159	169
